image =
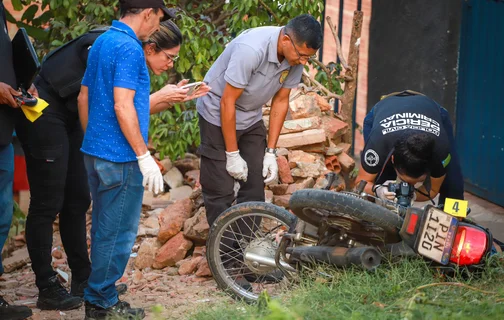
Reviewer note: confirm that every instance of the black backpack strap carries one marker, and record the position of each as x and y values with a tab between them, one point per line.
97	30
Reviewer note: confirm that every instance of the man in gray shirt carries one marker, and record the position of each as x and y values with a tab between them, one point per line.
260	64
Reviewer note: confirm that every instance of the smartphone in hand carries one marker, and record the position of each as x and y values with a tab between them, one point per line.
193	87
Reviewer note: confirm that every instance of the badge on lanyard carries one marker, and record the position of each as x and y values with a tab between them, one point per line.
283	76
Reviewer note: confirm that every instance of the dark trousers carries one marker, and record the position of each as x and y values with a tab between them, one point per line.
453	184
58	184
217	185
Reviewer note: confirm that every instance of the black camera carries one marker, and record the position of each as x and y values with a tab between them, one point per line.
404	192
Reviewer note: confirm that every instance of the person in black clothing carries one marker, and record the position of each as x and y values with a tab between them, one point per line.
409	137
57	176
8	114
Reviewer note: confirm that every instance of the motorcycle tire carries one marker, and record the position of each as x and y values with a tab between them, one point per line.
346	204
223	280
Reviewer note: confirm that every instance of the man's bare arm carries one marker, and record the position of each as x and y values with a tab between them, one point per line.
228	116
128	119
279	107
83	107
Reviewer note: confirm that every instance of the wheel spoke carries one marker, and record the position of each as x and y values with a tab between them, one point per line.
248	232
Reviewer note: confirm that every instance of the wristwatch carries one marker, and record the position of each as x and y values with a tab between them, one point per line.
271	150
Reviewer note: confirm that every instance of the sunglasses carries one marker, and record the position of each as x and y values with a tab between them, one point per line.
300	56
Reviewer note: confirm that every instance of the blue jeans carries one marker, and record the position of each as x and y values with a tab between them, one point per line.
6	202
117	192
453	184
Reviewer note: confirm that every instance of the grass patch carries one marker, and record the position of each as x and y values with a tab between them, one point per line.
405	289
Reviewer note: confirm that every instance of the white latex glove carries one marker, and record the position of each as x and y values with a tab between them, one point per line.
383	193
151	174
270	167
236	166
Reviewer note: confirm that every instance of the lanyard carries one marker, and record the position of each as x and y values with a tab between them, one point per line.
426	184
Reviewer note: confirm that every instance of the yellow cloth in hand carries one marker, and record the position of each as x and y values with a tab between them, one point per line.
33	113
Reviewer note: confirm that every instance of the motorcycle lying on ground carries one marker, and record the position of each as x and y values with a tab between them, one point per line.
257	246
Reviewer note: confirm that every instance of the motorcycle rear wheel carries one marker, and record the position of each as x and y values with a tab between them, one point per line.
221	250
336	204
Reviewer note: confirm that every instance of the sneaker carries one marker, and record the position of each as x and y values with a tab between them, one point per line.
56	297
121	310
8	312
77	288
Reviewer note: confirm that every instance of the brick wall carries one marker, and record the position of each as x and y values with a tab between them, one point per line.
329	53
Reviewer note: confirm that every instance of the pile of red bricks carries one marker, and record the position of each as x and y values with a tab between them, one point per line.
310	145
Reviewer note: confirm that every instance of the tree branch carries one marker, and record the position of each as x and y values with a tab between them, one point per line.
215	8
324	68
223	17
270	11
344	77
338	43
351	86
320	86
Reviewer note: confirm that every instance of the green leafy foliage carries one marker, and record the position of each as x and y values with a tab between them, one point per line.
207	26
61	20
329	79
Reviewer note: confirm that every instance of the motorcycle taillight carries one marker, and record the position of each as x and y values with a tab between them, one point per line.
469	247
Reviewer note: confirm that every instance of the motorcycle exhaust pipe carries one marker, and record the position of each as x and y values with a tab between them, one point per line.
257	258
366	257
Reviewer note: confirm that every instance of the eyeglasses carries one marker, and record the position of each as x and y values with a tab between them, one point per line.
170	57
300	56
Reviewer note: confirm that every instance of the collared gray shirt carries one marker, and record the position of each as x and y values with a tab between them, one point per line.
249	62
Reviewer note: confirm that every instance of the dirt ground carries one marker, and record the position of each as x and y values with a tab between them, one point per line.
172	296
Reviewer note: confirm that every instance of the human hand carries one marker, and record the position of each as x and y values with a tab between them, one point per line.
173	93
202	91
182	83
270	167
236	166
7	94
33	91
383	193
151	173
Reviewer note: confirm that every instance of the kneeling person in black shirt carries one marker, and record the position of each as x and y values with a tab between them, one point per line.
409	137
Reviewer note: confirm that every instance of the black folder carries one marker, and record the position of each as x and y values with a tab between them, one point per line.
26	63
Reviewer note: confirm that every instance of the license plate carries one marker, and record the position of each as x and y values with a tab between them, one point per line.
437	236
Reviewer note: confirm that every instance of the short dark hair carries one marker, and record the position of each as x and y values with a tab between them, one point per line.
305	29
413	153
168	36
134	11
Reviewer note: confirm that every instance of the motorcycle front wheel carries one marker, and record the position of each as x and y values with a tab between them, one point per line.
244	230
